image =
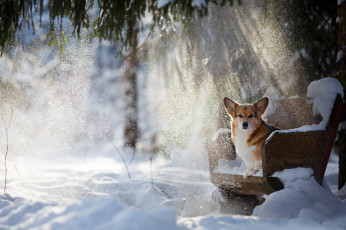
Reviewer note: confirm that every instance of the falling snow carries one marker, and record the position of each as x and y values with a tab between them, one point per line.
67	167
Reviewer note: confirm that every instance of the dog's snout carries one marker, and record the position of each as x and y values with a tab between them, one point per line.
245	124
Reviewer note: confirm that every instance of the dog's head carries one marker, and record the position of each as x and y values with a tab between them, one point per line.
246	117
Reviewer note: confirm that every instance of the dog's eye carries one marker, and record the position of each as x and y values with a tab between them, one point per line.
251	116
239	115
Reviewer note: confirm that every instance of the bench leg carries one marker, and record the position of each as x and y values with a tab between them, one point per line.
341	145
232	203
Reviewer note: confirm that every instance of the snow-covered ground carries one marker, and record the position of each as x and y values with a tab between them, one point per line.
90	193
96	193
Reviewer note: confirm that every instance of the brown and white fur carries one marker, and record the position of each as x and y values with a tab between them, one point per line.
249	131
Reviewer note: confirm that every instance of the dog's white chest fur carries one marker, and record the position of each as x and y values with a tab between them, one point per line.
243	149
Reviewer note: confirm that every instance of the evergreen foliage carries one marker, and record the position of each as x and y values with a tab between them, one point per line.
115	20
310	26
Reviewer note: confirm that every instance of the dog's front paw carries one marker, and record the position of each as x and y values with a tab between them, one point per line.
248	173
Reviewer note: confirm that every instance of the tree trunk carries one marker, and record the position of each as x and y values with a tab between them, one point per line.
131	65
341	66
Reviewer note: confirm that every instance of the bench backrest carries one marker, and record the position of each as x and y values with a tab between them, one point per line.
303	149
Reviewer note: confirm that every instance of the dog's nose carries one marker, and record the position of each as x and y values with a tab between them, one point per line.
245	124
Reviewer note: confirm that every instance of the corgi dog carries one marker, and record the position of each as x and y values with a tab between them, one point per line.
249	131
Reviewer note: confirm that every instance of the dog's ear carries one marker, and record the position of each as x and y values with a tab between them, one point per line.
230	106
262	104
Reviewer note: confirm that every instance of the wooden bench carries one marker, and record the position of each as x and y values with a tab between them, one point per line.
282	150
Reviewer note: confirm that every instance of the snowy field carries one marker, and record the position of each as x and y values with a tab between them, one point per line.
96	193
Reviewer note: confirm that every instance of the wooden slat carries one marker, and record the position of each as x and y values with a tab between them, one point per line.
251	186
336	116
292	150
222	147
292	113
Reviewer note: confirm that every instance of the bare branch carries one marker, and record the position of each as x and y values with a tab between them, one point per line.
122	158
6	134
